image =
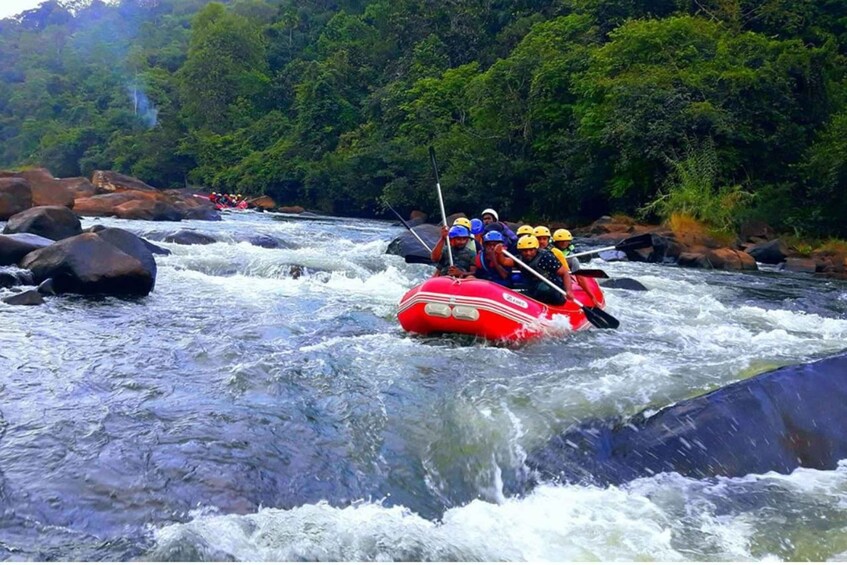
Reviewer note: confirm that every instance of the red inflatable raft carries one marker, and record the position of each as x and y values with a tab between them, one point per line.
485	309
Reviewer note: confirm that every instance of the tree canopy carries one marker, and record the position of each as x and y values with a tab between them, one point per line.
544	109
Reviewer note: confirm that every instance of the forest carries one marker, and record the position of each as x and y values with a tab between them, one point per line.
726	110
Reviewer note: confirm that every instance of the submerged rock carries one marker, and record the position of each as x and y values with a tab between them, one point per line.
623	284
408	247
27	298
788	418
189	237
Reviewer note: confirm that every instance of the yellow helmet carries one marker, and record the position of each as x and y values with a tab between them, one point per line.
528	242
541	231
524	230
562	235
464	222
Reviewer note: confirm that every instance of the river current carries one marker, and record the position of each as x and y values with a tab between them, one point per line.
242	413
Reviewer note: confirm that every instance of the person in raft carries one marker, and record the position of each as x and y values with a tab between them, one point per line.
545	263
490	263
563	240
462	256
491	221
466	223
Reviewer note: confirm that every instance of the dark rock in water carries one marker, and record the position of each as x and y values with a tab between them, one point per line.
14	247
132	245
788	418
8	279
88	264
773	252
46	288
624	284
52	222
204	214
155	249
296	271
694	260
610	256
13	276
265	241
406	246
28	298
188	237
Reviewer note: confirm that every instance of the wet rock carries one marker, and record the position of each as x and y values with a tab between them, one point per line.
150	210
14	247
406	246
46	189
624	284
27	298
265	241
88	264
189	237
772	252
694	260
800	265
110	181
610	256
15	197
788	418
155	249
46	288
52	222
731	260
204	214
295	271
262	202
132	245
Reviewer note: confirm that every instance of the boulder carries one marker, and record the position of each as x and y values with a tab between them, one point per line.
14	247
406	246
800	265
263	202
189	237
27	298
110	181
88	264
46	190
52	222
731	260
694	260
291	209
265	241
150	210
771	252
132	245
105	204
204	214
80	187
623	284
788	418
15	197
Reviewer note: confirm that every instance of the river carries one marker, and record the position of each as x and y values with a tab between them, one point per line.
240	412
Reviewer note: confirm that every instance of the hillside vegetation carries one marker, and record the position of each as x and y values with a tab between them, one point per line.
722	109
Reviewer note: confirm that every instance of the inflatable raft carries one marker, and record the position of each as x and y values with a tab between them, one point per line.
486	309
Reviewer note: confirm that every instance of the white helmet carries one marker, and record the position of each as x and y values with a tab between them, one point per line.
492	212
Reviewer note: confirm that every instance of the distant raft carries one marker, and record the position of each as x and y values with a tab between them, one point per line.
492	311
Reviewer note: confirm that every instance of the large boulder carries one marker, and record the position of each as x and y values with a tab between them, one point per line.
777	421
130	244
14	247
15	197
80	187
105	204
150	210
52	222
88	264
189	237
731	260
262	202
110	181
408	247
46	189
193	207
771	252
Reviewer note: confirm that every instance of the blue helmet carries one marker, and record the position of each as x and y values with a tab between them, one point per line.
493	236
477	226
459	231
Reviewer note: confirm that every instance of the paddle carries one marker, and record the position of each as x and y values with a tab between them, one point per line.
634	242
440	201
596	316
408	227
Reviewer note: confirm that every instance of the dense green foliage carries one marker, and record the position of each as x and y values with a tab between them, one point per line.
543	109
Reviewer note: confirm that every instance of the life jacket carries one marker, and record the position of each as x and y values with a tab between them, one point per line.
490	273
533	283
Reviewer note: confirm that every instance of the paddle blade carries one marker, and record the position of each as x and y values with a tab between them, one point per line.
636	242
600	318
